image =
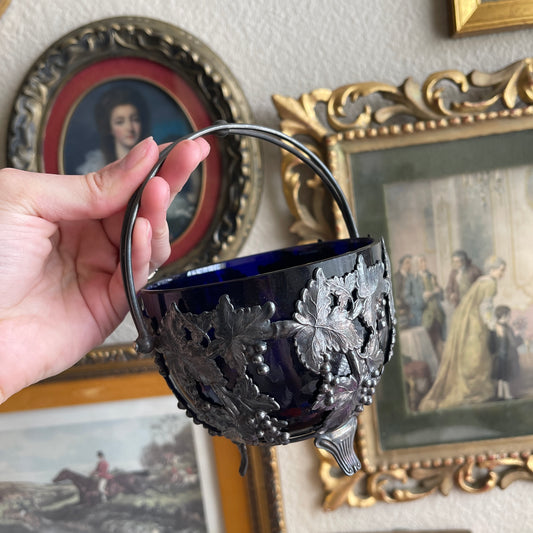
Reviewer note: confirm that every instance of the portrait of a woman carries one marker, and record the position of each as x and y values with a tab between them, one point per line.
112	118
122	120
464	375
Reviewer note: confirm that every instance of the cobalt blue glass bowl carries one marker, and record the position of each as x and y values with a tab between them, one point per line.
275	347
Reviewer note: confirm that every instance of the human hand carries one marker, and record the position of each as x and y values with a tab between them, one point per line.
62	290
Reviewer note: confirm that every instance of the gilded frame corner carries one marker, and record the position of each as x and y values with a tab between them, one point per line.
470	17
366	116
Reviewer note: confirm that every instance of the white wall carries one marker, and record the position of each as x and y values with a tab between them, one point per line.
290	47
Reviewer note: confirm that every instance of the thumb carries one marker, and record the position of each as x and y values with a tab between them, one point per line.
94	195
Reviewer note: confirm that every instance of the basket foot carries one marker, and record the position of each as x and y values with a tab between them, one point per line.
339	442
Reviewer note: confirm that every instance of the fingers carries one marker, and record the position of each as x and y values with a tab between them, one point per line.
100	194
95	195
150	252
155	202
181	161
141	251
140	259
160	192
104	194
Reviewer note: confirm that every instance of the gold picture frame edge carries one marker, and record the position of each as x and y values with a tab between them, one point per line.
429	132
264	488
471	17
322	120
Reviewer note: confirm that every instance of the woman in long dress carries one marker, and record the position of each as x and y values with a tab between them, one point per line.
464	375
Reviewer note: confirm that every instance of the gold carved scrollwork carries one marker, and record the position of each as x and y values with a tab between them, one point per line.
369	109
412	482
300	118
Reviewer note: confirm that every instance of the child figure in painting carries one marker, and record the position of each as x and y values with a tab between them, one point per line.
503	344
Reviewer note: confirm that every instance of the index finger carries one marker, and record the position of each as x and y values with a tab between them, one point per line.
181	161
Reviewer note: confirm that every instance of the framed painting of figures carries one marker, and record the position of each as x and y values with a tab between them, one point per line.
54	467
446	177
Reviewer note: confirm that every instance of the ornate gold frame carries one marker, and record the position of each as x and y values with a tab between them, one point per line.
449	105
475	16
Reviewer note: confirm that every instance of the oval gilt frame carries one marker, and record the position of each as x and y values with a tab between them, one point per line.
220	96
188	58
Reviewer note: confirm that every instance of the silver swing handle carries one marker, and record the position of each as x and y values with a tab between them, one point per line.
145	340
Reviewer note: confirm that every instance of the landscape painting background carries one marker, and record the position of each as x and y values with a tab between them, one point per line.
149	440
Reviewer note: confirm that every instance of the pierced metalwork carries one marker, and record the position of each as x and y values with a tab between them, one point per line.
337	331
342	331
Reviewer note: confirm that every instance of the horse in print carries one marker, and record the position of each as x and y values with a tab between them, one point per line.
121	482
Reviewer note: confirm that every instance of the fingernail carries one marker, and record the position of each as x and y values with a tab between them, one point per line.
205	147
137	154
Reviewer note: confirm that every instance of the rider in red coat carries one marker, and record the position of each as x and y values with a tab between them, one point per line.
102	473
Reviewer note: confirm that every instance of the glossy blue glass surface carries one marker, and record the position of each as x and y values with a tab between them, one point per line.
262	263
278	277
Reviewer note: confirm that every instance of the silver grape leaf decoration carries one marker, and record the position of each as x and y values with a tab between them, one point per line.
346	399
252	415
324	321
235	329
387	285
213	357
186	333
367	282
194	344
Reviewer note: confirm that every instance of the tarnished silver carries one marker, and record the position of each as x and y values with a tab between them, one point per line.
336	325
144	342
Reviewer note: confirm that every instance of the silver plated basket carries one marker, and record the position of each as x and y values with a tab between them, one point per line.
276	347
